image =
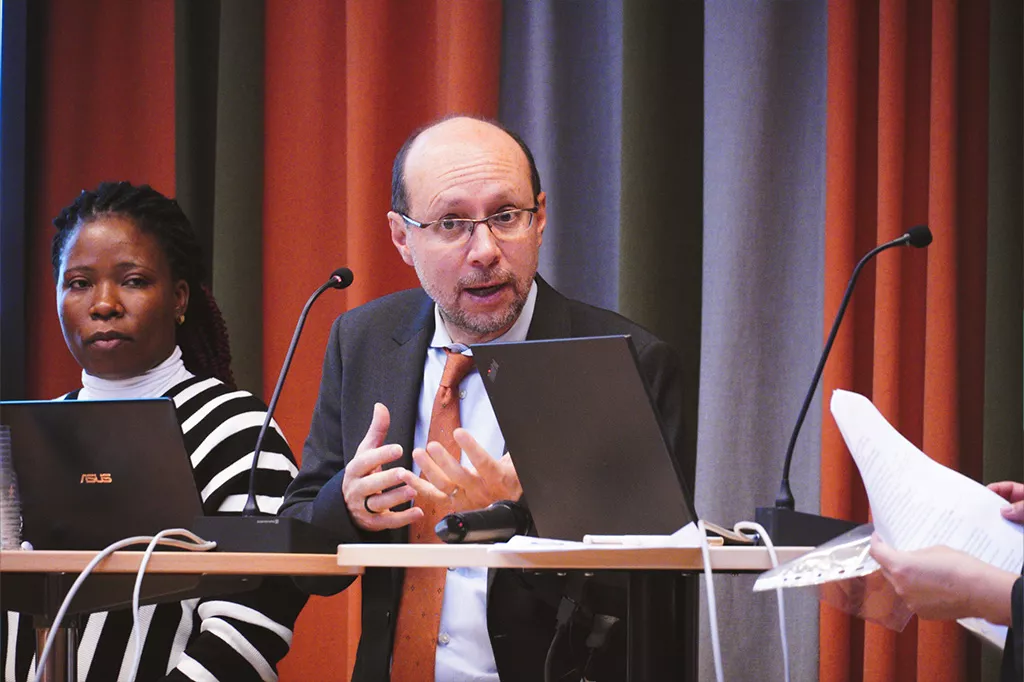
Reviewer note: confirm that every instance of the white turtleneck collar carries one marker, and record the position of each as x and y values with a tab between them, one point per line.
151	384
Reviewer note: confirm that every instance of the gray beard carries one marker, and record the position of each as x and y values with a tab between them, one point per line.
481	325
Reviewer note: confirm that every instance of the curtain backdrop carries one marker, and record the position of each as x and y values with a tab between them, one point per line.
102	108
345	84
714	169
764	172
908	132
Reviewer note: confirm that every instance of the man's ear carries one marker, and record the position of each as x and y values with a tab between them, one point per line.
540	220
400	236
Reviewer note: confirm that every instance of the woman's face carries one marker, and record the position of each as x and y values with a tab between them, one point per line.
116	299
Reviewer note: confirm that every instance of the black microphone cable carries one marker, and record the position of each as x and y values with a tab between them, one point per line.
918	237
339	279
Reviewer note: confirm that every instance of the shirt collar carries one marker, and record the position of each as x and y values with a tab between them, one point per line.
150	384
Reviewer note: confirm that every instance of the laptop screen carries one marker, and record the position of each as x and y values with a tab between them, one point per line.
90	473
585	437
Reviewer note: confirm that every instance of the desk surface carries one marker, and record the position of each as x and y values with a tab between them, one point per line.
351	560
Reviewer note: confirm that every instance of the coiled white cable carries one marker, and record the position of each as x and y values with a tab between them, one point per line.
196	544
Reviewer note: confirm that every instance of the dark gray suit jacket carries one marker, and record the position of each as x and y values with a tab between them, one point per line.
376	354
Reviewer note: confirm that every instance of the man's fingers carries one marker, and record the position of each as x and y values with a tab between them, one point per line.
379	482
485	465
378	430
449	465
425	489
383	501
431	471
368	461
507	465
389	520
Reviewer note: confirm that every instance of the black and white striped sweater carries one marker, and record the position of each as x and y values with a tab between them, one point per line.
239	637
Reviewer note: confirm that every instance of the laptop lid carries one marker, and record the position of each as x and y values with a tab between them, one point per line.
584	437
93	472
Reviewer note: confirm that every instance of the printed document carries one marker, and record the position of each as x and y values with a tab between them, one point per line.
916	502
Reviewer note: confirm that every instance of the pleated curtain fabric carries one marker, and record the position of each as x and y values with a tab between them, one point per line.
907	131
419	613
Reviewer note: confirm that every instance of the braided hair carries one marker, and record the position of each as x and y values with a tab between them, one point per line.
203	336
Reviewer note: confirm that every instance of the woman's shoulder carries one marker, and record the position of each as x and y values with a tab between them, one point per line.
198	392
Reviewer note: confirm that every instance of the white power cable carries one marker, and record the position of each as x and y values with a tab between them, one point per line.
712	607
41	659
759	529
200	546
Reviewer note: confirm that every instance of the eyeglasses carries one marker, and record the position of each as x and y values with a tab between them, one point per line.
505	225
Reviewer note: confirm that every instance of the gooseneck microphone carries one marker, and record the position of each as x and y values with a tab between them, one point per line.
339	279
496	523
253	531
808	529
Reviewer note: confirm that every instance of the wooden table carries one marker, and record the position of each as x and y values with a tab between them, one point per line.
656	641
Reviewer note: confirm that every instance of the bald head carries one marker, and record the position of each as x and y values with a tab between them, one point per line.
453	130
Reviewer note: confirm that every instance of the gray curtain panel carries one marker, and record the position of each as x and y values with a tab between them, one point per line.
764	207
561	88
219	48
708	120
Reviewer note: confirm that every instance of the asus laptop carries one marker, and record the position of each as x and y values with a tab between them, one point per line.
90	473
584	437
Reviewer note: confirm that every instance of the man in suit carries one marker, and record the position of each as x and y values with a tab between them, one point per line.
469	215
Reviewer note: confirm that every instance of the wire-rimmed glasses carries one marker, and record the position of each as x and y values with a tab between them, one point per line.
504	225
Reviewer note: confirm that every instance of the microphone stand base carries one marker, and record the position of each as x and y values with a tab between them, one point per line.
276	534
789	528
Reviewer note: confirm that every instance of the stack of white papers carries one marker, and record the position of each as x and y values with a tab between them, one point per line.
916	502
687	536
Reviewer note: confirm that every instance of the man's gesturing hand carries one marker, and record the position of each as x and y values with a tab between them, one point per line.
370	490
487	480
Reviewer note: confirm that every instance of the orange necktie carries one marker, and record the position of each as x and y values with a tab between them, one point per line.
419	613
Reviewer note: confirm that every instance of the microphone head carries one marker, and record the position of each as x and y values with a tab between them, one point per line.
919	236
342	277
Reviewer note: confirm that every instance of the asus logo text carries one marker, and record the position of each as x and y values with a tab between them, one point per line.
96	478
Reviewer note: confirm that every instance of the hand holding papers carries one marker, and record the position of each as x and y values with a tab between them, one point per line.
918	503
915	501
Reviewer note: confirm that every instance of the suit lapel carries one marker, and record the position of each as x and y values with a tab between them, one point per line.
550	314
404	368
398	378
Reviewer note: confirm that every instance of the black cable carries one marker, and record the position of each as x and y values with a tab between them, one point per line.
549	660
601	627
567	607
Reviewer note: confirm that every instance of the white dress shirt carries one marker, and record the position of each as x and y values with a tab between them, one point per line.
463	644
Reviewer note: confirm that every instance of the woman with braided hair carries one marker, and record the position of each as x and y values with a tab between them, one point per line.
141	323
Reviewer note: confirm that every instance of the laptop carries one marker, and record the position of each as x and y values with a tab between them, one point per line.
585	437
90	473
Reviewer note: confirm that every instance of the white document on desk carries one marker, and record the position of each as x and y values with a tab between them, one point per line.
916	502
687	536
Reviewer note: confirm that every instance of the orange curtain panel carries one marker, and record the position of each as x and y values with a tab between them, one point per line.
107	112
906	145
346	83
